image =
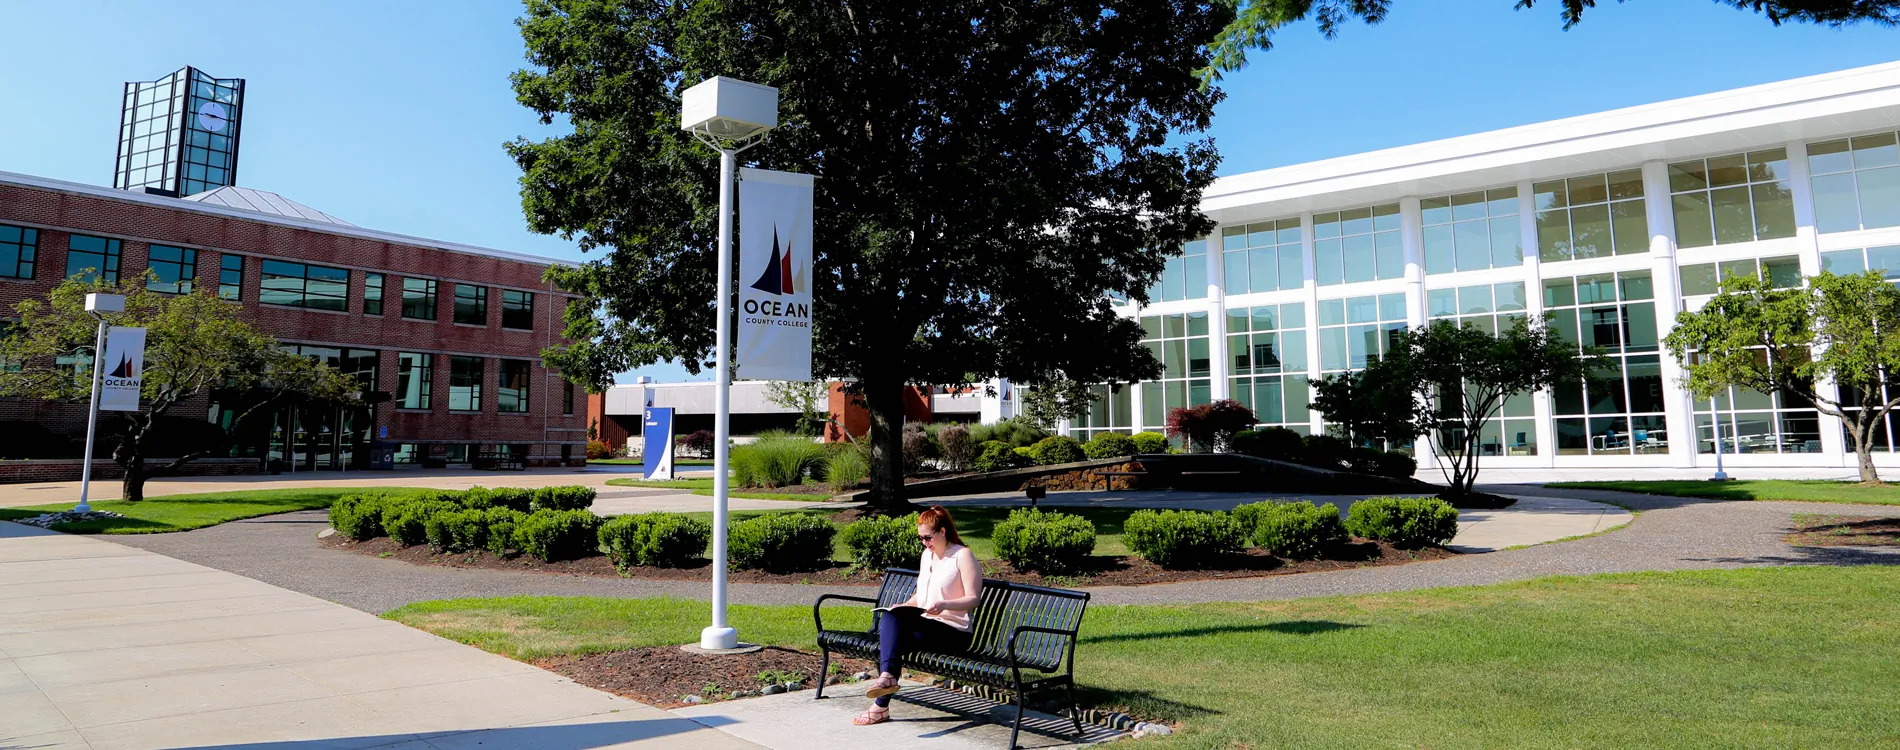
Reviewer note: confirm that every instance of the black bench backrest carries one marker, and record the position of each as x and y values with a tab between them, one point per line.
1004	607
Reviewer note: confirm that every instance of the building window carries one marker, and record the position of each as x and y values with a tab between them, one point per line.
359	364
1735	198
176	268
231	277
1705	278
471	304
567	397
1856	182
1111	410
418	299
517	310
306	286
465	383
372	294
1472	231
1886	260
415	376
1354	332
92	258
1617	409
511	394
458	454
18	248
1492	307
1179	342
1262	257
1594	216
1267	344
1358	245
1185	276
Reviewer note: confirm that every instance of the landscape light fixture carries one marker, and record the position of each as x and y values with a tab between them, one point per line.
97	305
729	115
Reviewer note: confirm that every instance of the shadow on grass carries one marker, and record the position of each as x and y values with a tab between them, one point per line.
1288	627
1141	703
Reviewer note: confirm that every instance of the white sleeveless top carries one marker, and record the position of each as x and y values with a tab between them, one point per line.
940	579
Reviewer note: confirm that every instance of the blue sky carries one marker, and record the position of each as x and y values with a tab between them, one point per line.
392	114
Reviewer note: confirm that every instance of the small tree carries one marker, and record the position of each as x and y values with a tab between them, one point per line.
1210	427
193	343
808	397
1366	405
1457	377
1049	404
1791	341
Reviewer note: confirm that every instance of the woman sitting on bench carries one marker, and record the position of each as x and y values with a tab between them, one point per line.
936	618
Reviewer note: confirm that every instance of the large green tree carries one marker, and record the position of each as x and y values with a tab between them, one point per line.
988	173
194	343
1795	342
1256	21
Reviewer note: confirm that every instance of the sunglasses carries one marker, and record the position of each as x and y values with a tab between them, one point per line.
926	537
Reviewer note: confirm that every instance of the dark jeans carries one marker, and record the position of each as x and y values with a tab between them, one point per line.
898	635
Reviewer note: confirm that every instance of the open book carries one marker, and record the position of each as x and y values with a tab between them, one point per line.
902	609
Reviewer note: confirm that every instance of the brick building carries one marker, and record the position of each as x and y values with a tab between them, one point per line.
451	332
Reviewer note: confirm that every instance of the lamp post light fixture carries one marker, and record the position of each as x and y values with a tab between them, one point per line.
97	305
731	116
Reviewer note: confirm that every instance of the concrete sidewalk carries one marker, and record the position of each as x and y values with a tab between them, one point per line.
105	646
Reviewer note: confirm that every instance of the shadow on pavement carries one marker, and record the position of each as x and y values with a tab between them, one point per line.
581	736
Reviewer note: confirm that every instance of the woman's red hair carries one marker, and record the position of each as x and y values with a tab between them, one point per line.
938	519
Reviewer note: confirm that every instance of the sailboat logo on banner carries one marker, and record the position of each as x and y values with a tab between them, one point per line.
777	278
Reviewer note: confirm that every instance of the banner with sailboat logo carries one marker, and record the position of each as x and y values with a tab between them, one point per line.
124	369
775	275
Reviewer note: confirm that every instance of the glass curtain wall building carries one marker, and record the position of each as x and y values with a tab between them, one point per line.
1609	224
178	135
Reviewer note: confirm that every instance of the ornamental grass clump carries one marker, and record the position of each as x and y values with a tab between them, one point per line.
1407	522
551	535
879	543
660	540
782	542
847	467
1297	530
1044	541
777	459
1179	539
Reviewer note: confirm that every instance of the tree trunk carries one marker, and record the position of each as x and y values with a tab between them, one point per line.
1868	473
132	488
885	401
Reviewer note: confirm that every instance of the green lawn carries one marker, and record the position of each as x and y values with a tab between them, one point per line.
1807	490
185	512
705	487
1782	657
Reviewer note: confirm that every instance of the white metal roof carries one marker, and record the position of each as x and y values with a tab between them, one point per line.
264	202
1831	104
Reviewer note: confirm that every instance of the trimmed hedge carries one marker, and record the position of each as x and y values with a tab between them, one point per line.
565	497
1297	530
550	535
879	543
1404	521
996	455
1150	442
1109	445
661	540
501	529
359	517
1044	541
404	520
512	498
781	542
1056	449
1183	538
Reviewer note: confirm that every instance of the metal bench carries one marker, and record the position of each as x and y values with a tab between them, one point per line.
498	460
1023	640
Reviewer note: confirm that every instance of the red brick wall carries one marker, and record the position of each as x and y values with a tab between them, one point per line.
18	472
138	225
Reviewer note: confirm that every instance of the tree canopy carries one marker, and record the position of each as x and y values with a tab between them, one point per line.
988	174
1754	336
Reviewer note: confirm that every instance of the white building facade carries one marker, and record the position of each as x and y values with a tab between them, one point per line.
1612	223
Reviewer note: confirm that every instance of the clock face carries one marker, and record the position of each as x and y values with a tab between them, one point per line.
213	117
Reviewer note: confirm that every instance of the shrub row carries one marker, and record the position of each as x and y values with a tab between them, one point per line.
1403	521
1295	530
542	522
1323	451
1044	541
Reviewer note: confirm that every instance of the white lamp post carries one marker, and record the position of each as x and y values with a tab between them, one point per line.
1715	422
96	304
729	115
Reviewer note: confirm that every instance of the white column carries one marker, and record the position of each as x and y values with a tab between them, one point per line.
1310	267
1542	404
1668	294
1217	311
1412	242
1808	238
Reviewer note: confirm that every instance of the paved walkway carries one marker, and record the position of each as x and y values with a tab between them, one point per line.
41	493
104	647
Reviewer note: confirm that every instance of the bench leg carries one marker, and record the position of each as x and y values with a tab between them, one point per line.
1017	728
1075	709
824	673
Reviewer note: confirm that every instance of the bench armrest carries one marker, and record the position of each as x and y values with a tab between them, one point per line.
1021	629
818	617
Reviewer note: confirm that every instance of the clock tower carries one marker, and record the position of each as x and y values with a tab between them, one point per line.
178	135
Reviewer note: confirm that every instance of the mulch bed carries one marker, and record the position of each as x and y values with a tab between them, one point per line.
664	675
1845	531
1105	571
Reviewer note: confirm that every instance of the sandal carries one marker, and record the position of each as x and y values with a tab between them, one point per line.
882	687
872	716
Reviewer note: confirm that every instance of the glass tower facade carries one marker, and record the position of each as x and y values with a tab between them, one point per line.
178	135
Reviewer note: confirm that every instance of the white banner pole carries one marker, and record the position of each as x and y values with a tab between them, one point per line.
719	636
92	422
